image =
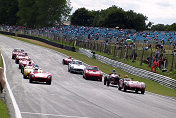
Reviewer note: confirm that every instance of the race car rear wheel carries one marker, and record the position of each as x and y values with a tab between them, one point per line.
71	71
108	82
24	76
105	79
63	61
19	66
22	70
124	89
119	88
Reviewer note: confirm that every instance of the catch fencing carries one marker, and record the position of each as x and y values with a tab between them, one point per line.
163	80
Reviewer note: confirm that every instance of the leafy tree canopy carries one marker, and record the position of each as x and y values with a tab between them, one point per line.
110	17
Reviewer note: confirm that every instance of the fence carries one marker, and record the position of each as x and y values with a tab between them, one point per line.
163	80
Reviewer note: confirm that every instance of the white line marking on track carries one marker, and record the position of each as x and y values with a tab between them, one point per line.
14	103
43	114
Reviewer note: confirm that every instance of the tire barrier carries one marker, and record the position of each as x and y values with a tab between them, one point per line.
70	48
161	79
7	33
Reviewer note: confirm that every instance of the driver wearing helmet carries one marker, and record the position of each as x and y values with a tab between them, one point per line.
70	57
126	76
114	71
36	68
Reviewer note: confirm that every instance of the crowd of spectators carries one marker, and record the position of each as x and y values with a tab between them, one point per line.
100	33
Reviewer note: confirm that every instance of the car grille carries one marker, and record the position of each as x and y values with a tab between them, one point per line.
40	79
78	70
94	77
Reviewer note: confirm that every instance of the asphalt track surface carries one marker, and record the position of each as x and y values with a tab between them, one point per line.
71	96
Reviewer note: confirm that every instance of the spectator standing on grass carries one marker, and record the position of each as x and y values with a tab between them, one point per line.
155	65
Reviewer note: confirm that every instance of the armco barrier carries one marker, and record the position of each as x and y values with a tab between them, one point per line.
163	80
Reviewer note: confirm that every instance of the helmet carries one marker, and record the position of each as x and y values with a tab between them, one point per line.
36	65
114	71
126	76
70	57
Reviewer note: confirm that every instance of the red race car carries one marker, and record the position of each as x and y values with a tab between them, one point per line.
23	62
40	76
128	84
112	79
21	56
92	72
66	61
15	52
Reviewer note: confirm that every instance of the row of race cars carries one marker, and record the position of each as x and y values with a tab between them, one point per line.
32	71
29	69
93	72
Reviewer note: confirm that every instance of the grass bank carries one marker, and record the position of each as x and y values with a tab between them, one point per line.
3	108
150	85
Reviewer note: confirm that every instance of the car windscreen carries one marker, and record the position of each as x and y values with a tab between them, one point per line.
77	62
92	68
18	50
127	79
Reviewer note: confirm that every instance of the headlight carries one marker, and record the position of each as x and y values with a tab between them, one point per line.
49	76
33	76
143	85
126	84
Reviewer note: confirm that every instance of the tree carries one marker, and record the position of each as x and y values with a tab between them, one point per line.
116	18
82	17
158	27
110	17
27	13
8	10
149	25
172	27
40	13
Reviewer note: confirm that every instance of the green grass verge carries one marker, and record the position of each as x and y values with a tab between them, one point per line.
3	110
1	62
150	85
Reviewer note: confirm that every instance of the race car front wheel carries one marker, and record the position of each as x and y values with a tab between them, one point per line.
30	80
48	82
142	92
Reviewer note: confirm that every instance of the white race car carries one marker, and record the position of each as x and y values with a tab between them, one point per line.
76	66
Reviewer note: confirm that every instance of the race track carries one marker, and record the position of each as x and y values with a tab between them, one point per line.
71	96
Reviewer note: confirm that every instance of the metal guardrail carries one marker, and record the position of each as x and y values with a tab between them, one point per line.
163	80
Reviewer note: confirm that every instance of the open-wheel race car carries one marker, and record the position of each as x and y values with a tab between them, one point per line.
128	84
92	72
23	62
21	56
28	69
15	52
66	61
76	66
112	79
39	76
